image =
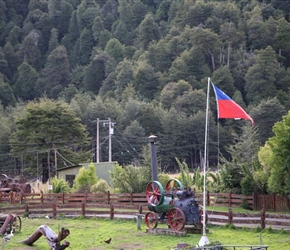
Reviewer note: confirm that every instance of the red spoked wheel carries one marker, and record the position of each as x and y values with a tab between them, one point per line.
176	219
200	211
154	193
151	220
173	185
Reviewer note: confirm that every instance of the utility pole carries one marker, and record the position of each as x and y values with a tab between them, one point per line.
110	141
98	140
111	131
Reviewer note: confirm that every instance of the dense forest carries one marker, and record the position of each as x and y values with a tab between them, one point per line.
145	65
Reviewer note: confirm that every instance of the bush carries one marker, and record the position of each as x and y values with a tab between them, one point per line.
101	186
59	186
163	179
130	179
85	179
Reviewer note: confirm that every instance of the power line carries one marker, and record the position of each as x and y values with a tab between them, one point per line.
125	148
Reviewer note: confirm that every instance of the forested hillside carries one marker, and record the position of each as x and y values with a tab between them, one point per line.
145	65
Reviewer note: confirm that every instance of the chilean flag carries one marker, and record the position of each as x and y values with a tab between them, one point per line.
227	108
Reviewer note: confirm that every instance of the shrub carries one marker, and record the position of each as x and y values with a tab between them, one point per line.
85	179
130	179
59	186
163	179
101	186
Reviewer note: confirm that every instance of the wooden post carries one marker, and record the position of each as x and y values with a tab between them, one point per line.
140	209
41	196
26	208
83	209
0	197
54	210
108	197
86	197
21	197
230	198
274	203
230	216
11	197
131	197
62	198
255	200
111	212
207	198
263	218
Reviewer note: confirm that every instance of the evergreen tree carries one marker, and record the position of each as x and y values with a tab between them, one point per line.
86	46
53	41
30	49
148	31
115	49
146	81
95	73
46	126
260	78
265	115
6	94
109	13
26	81
56	72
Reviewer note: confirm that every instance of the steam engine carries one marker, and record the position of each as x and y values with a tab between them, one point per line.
176	204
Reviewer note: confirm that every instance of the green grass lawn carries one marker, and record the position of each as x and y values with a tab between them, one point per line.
89	234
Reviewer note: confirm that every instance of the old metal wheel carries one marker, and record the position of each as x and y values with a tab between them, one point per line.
173	185
151	220
15	225
154	193
176	219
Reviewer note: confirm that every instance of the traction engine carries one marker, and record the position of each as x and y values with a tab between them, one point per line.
176	204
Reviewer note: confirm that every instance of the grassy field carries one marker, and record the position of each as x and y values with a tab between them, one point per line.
90	234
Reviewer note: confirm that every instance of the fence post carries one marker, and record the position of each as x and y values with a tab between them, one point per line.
207	198
86	197
108	197
230	198
41	196
230	216
12	197
111	211
0	197
54	210
140	209
21	197
83	209
131	197
274	202
255	200
62	198
263	218
26	209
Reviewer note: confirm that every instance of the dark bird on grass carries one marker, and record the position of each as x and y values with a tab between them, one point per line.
108	241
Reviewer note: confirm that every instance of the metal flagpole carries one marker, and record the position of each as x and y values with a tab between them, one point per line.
204	240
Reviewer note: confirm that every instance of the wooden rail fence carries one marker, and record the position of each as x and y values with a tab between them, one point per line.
273	203
221	199
130	211
128	205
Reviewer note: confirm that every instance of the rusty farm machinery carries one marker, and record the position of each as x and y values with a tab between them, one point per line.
173	203
8	184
